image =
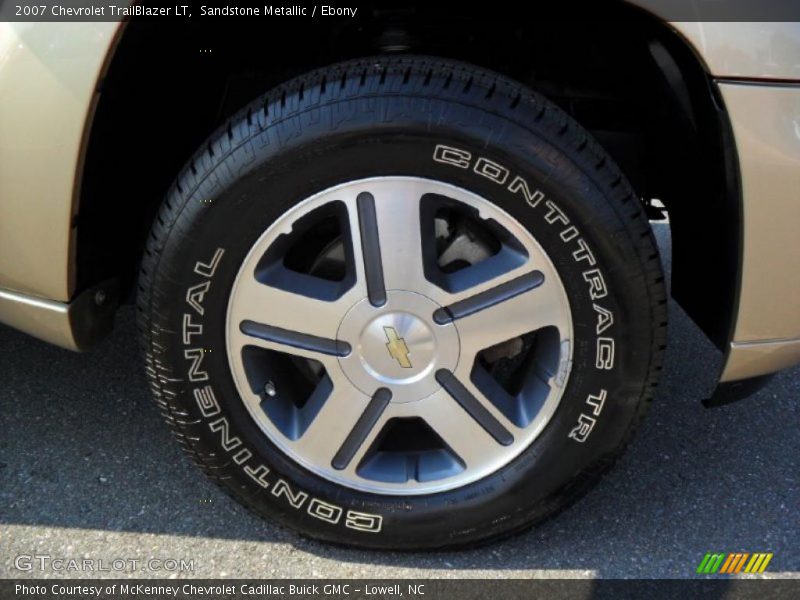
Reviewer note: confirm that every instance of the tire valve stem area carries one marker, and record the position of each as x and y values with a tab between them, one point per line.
269	389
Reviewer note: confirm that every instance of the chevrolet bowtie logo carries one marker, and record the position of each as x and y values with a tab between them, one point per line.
397	347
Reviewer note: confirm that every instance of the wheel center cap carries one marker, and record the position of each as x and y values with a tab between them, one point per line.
397	346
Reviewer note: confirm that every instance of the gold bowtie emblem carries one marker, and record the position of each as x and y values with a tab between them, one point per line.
397	347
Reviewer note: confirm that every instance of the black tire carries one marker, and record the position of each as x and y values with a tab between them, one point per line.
361	119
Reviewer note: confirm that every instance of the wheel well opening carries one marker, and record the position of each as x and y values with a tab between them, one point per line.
628	79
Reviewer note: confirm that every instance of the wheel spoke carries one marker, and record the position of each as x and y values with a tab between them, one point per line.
362	429
474	407
462	433
294	313
489	298
484	324
371	249
301	341
391	214
344	428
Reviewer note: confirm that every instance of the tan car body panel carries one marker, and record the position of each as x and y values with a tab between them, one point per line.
45	319
766	127
753	359
48	78
62	323
733	50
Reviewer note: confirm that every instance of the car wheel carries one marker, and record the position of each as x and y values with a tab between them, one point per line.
402	303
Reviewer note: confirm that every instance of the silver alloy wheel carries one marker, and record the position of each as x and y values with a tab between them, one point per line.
396	341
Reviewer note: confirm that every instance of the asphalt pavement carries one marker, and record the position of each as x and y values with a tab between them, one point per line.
89	471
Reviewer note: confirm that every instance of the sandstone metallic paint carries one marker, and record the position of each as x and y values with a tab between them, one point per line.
48	77
46	319
735	50
76	325
760	358
766	126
